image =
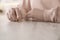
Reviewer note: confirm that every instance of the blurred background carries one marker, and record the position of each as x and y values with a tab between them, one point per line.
4	4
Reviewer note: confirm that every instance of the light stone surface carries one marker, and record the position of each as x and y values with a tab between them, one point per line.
28	30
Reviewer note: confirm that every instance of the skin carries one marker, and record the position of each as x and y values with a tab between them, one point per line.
41	15
12	15
57	17
26	13
19	13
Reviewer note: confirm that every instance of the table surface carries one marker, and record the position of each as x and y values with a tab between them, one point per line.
28	30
